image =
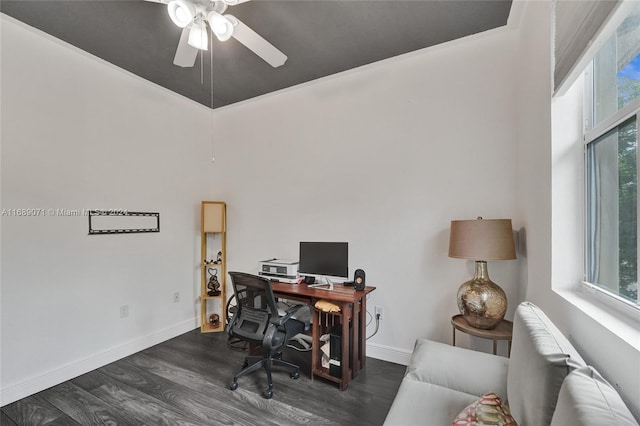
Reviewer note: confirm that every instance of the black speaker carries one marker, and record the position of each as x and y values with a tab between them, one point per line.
358	279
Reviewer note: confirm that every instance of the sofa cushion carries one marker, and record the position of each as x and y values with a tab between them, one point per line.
541	357
587	399
457	368
488	410
419	403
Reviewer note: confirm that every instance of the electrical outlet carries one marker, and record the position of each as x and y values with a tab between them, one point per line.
176	297
124	311
379	312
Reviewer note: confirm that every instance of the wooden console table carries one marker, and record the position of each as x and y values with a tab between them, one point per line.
503	331
353	310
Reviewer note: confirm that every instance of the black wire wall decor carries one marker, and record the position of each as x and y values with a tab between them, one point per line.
122	222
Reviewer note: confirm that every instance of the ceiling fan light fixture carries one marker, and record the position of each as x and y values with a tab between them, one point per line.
181	12
198	35
220	25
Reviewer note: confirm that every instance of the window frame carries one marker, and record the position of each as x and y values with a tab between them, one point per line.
590	135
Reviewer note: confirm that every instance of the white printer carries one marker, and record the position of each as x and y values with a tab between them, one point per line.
284	270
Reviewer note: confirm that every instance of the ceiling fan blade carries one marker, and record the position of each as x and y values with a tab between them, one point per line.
158	1
185	53
256	43
234	2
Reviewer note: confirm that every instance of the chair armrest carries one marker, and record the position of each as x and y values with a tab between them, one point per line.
295	313
269	333
457	368
278	321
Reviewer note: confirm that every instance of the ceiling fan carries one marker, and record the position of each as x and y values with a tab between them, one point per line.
193	15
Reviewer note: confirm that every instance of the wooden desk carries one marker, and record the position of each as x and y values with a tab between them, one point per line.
353	309
503	331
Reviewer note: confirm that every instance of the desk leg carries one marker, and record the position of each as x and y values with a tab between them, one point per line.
355	338
347	311
315	340
454	336
362	337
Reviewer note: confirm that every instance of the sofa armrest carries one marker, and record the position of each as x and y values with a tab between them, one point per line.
457	368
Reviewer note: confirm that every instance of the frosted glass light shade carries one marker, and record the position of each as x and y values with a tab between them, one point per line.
198	36
181	12
220	25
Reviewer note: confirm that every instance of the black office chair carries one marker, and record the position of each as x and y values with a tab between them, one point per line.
257	321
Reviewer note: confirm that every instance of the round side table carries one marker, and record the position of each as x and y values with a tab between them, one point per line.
503	331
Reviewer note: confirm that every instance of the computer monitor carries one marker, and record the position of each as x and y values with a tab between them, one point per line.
324	260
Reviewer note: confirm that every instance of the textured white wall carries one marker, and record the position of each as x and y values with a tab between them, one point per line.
80	133
383	157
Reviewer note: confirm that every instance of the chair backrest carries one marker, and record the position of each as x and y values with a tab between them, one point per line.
255	305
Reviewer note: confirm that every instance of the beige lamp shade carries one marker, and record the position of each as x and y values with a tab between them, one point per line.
482	239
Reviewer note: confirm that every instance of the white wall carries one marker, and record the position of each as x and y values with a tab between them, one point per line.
548	174
80	133
383	157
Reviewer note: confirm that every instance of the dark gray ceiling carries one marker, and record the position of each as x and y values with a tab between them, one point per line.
319	37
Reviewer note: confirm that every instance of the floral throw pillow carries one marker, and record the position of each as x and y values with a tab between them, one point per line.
488	410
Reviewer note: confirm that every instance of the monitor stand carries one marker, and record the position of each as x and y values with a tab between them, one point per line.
328	285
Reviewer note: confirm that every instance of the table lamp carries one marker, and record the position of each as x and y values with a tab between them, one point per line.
482	302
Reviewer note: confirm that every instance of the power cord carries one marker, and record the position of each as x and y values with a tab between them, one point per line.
377	325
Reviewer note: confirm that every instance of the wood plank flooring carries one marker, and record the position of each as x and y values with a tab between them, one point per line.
184	381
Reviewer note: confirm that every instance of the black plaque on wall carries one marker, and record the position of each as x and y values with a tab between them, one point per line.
122	222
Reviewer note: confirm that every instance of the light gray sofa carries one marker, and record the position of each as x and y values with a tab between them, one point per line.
544	382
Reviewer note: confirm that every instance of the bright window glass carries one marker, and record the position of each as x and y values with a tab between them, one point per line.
612	100
616	69
612	213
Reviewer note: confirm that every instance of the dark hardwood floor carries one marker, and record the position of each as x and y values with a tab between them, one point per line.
184	381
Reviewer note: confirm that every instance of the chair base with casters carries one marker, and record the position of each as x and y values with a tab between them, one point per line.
256	320
257	362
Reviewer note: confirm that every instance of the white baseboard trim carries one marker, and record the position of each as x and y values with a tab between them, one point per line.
388	353
74	369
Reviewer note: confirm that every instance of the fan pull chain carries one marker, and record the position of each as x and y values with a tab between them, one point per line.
201	68
213	158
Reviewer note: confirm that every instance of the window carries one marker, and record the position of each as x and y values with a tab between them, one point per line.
612	211
612	108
